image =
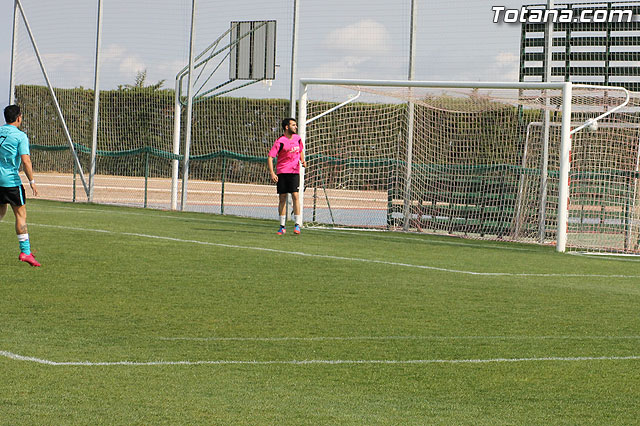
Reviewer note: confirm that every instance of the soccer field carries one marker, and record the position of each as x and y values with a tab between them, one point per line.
154	317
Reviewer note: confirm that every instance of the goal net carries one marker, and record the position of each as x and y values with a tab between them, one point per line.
479	162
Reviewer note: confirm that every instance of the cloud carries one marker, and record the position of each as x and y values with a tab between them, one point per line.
131	65
64	70
345	67
120	66
116	56
450	66
506	66
358	50
366	37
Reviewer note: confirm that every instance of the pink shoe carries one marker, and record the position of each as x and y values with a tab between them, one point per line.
29	259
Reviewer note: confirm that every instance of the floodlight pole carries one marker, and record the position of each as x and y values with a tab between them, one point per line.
96	105
411	118
292	101
548	36
294	59
187	148
14	47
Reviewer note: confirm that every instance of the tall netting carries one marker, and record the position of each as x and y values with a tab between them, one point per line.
136	109
143	48
48	135
231	138
470	163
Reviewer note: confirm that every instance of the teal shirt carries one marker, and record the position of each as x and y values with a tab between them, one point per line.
13	144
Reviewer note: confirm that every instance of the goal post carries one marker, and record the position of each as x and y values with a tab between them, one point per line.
472	172
565	159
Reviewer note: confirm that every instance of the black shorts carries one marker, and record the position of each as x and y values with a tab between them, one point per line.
288	183
13	195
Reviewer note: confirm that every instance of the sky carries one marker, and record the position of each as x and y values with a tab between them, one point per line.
455	40
5	49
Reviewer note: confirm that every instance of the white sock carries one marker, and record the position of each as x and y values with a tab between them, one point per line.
296	218
23	242
283	220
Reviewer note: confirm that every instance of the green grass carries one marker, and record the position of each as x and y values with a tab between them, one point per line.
124	296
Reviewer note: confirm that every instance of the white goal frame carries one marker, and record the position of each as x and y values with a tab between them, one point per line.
566	131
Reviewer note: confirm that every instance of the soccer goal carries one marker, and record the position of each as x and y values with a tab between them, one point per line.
551	163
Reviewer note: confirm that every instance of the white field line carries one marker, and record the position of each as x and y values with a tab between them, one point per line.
365	338
343	231
619	257
607	254
17	357
347	231
331	257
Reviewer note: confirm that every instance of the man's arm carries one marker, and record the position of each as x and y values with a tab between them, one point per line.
274	177
302	160
28	171
304	163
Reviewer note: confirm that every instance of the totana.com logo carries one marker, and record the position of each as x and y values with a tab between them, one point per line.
582	15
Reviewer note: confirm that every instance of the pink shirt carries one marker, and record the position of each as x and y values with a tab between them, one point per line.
287	152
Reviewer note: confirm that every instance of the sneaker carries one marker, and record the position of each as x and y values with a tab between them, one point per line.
282	231
296	230
29	259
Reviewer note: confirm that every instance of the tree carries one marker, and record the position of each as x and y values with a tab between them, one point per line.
139	83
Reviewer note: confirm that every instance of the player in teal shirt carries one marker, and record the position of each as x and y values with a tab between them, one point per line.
14	151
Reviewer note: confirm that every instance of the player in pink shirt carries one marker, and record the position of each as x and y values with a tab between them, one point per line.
288	150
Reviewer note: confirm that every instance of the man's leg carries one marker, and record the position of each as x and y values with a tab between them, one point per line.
282	205
20	213
21	219
3	210
296	204
282	212
296	211
22	232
